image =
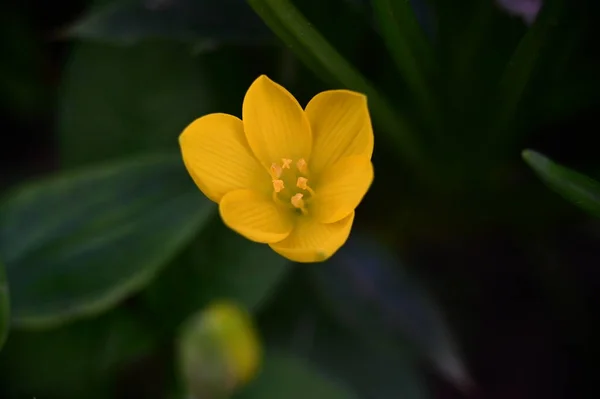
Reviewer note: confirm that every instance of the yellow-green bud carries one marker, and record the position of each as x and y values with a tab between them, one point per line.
219	351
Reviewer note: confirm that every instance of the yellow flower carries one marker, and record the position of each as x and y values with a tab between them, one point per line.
284	176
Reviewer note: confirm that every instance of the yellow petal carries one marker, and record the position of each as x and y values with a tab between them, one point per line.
217	156
275	124
311	241
341	187
341	127
255	216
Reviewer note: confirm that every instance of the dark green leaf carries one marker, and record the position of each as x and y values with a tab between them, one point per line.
295	321
78	243
573	186
79	360
369	292
220	265
285	376
410	50
520	67
374	373
4	307
204	22
122	101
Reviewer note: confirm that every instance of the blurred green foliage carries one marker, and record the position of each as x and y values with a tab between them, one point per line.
4	306
108	247
79	243
289	377
575	187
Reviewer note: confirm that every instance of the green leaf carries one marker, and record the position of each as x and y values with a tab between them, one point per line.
285	376
520	68
123	101
297	321
82	359
78	243
205	22
366	288
312	48
4	307
573	186
220	265
370	370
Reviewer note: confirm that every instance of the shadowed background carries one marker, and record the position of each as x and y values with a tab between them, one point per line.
464	277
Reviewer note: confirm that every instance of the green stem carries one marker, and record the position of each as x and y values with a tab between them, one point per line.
312	48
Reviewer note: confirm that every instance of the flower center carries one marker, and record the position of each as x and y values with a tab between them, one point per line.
290	184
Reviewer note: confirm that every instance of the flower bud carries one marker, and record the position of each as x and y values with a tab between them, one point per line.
219	351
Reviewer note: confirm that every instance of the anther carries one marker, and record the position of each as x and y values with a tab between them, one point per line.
275	171
286	163
278	185
302	166
303	184
298	202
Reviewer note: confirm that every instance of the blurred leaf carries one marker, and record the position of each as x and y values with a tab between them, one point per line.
220	265
573	186
566	81
424	15
205	22
4	307
368	291
326	62
78	243
123	101
374	373
79	360
411	51
289	377
295	321
520	68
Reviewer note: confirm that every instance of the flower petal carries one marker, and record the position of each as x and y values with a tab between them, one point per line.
311	241
275	124
217	156
255	216
341	187
341	127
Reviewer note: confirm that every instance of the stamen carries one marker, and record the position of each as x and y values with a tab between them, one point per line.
298	202
275	171
302	183
277	200
286	163
302	166
278	185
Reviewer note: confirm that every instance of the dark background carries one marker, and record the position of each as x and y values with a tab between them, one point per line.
511	266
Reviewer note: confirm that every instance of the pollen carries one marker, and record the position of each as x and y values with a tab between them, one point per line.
302	183
275	171
284	176
278	185
297	201
302	166
286	163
